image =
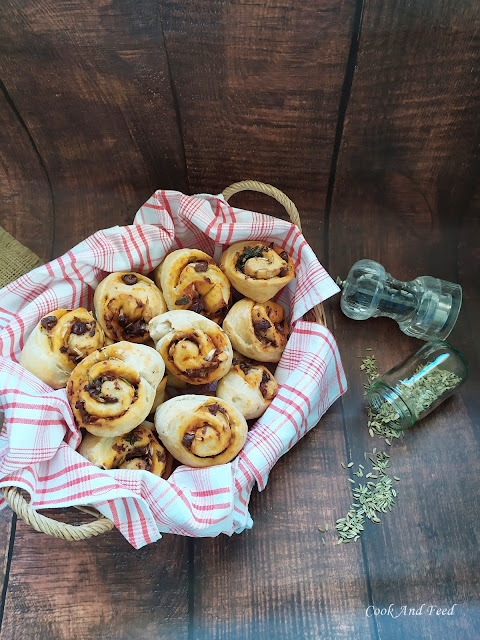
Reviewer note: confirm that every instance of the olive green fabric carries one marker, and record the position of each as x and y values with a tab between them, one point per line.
15	258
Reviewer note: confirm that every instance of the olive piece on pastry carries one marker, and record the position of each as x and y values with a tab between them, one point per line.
258	331
139	449
195	349
112	390
125	302
59	341
201	431
256	269
248	386
190	279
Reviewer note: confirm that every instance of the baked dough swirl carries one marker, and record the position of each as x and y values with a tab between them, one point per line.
256	269
59	341
113	389
139	449
190	279
201	431
125	302
248	386
258	331
195	349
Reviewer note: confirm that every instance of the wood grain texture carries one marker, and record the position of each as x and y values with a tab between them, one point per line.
95	589
258	86
405	180
26	209
7	535
102	117
279	580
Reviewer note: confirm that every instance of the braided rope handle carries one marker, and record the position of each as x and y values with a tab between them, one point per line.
61	530
318	312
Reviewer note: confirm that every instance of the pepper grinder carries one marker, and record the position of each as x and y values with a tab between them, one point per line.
425	308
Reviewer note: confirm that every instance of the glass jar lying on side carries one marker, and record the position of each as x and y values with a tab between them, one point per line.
413	388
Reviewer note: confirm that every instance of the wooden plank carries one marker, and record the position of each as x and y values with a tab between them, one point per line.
92	85
404	180
26	204
466	327
7	535
99	589
279	580
258	87
272	69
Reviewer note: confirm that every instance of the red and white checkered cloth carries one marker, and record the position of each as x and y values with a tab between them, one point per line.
39	435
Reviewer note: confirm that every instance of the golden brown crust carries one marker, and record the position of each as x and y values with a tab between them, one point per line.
59	342
125	302
248	386
257	269
190	279
139	449
257	331
201	431
195	349
113	389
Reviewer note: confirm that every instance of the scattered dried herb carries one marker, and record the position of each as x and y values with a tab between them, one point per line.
379	423
419	392
369	499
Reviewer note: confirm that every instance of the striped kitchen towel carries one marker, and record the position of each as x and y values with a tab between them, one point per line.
39	437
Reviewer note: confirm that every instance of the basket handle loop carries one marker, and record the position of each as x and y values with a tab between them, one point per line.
269	190
51	527
318	311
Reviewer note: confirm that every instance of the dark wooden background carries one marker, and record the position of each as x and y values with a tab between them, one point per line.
366	114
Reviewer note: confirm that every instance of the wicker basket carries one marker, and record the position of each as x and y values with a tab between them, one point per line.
102	525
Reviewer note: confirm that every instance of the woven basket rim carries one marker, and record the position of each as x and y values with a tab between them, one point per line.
102	524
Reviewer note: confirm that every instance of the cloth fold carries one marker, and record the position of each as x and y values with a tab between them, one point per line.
39	435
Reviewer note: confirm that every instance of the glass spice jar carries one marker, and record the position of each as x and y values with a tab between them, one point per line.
415	387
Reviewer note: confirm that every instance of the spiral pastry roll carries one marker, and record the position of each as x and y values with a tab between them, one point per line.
124	305
201	431
258	331
249	387
195	349
190	279
59	342
113	389
256	269
139	449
